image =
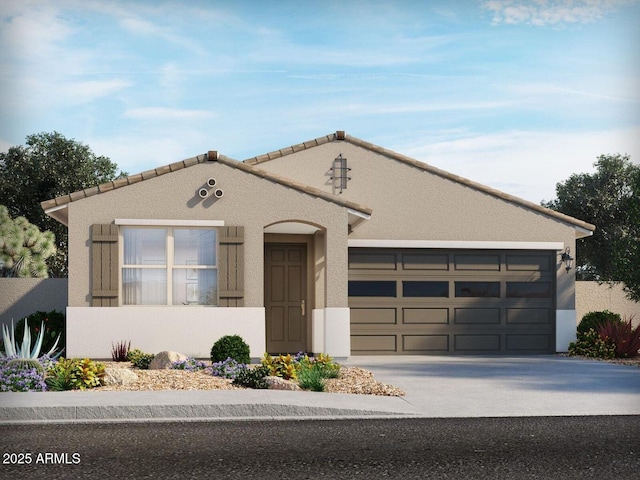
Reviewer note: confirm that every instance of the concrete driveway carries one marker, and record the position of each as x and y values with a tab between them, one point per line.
491	386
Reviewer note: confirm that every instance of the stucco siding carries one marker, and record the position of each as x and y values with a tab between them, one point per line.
248	201
591	297
412	204
20	297
409	203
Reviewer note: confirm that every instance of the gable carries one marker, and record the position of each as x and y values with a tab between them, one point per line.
411	199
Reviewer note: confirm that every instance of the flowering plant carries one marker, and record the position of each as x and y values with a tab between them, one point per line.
20	378
228	368
190	365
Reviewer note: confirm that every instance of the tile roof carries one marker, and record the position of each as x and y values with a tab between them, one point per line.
207	157
249	166
342	136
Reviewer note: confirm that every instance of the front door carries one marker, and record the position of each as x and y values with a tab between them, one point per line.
285	297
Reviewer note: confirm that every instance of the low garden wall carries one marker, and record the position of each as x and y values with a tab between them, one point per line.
20	297
590	297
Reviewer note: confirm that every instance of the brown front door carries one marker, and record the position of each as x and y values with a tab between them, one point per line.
285	297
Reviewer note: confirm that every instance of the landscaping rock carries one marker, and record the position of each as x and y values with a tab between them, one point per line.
119	376
277	383
163	360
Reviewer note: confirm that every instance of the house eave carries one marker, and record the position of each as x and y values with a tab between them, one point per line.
59	213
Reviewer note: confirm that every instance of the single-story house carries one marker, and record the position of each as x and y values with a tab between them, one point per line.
333	245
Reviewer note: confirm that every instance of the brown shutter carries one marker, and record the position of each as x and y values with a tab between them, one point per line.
231	267
104	264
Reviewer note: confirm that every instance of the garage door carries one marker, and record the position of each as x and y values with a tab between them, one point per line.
451	302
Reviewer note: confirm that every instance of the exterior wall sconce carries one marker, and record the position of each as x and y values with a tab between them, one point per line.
340	174
567	259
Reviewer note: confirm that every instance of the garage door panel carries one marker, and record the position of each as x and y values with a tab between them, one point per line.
476	343
425	316
532	262
519	316
376	316
425	343
477	316
528	343
425	261
373	343
372	261
477	262
456	302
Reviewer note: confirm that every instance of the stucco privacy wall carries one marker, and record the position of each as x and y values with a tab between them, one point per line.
91	331
411	204
592	297
248	201
20	297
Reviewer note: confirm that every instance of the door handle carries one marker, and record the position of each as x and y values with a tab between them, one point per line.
303	308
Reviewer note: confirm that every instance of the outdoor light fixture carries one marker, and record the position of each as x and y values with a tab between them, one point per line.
567	259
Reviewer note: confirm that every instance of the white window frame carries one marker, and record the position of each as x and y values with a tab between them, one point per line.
169	265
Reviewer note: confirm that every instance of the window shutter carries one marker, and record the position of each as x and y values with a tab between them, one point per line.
231	267
104	264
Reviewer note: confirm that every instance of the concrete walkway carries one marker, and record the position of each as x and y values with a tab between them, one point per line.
434	386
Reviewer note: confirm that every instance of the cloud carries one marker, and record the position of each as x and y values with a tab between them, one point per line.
144	27
162	113
85	92
549	12
527	164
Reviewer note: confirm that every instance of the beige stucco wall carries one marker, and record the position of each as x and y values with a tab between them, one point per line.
20	297
591	297
248	201
411	204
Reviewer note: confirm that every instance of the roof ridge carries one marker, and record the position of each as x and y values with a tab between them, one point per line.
341	135
292	184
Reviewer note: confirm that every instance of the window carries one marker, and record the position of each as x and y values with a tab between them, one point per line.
372	288
169	266
528	290
425	289
478	289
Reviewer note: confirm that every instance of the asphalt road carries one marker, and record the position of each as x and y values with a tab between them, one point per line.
478	448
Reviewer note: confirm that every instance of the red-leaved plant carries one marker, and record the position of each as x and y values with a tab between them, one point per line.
625	338
120	350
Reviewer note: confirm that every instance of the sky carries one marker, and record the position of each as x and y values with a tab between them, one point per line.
514	94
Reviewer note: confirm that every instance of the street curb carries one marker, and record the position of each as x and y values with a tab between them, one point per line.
13	415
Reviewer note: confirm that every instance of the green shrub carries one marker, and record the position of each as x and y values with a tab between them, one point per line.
325	363
589	344
54	325
139	359
230	346
74	374
252	377
311	377
592	319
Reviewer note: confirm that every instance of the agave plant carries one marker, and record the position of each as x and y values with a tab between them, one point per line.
13	350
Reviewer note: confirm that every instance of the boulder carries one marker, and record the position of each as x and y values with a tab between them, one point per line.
277	383
163	360
119	376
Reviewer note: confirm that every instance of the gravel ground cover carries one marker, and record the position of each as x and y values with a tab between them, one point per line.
353	380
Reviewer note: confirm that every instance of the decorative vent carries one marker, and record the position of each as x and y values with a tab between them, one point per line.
340	174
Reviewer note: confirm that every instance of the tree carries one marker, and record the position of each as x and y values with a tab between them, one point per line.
609	199
23	248
47	167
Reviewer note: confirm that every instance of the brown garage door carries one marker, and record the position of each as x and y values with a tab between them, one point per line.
416	302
